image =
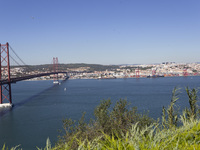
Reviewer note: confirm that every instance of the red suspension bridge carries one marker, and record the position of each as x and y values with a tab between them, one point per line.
6	78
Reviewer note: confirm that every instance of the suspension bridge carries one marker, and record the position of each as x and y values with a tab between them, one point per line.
8	76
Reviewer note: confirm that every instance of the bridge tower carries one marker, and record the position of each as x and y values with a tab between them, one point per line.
5	90
153	72
55	69
185	73
137	73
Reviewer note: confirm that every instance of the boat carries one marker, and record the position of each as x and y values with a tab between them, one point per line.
106	78
155	76
55	82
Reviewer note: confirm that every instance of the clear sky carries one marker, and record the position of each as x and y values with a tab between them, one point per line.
102	31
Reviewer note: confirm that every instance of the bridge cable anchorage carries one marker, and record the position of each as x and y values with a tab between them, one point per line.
5	89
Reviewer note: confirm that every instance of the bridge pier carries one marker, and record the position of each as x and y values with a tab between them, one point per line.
5	106
5	89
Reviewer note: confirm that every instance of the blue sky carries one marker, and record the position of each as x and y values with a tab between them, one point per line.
102	31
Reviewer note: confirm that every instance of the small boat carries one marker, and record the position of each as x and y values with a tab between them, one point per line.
55	82
112	77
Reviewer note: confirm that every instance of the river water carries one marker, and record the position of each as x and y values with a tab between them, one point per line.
41	106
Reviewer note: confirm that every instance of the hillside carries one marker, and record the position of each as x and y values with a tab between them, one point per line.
90	67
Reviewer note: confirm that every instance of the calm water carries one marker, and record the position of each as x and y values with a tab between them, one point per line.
40	107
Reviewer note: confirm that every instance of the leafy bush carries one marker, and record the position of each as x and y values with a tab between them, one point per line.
192	112
117	120
170	120
123	128
150	137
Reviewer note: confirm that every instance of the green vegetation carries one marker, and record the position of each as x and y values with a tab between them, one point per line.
132	69
92	67
171	119
118	120
123	128
49	67
88	67
13	148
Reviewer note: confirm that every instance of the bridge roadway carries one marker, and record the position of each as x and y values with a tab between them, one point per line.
14	80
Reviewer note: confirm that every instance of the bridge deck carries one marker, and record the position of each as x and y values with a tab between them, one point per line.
14	80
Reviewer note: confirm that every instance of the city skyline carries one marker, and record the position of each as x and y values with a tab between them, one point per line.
102	32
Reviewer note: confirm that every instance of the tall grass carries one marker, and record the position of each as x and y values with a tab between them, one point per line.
150	137
170	118
117	130
122	128
192	112
13	148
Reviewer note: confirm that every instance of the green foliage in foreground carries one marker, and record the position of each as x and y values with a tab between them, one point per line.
13	148
107	121
121	128
186	137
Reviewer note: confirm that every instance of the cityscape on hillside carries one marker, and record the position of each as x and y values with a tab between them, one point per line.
93	71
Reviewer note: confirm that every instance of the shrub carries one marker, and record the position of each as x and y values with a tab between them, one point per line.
116	121
192	112
170	120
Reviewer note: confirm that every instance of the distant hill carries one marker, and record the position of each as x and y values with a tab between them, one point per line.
91	67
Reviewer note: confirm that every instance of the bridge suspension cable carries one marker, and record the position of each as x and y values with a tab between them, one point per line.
6	70
23	63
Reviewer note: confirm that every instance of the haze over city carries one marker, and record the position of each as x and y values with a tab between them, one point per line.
102	31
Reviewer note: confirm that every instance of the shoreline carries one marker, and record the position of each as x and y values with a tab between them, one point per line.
107	78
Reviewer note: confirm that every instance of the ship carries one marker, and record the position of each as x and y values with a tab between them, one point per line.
106	77
155	76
